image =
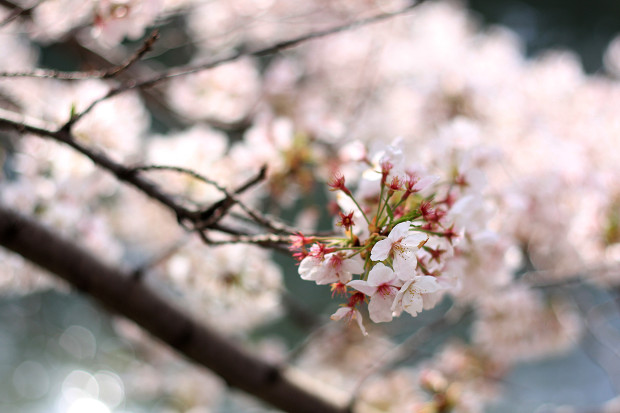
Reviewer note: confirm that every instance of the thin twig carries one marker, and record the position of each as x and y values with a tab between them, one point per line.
264	240
17	11
100	158
189	219
147	45
237	54
209	217
219	209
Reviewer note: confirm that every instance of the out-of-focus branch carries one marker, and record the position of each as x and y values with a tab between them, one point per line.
235	55
277	47
16	11
212	215
147	45
15	121
265	240
121	293
133	177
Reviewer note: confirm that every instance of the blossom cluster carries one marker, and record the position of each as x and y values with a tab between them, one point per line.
400	231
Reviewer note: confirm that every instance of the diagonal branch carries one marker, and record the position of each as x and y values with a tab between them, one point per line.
123	173
16	11
147	45
209	217
121	293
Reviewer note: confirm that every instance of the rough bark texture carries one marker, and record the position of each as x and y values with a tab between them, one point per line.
127	296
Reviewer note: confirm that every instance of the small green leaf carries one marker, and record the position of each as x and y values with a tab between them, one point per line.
390	213
73	112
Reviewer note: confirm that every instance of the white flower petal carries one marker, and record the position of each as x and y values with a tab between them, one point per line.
400	231
380	274
404	266
430	300
425	182
308	268
358	317
326	275
340	313
362	286
426	284
353	265
380	307
414	240
381	250
349	313
412	302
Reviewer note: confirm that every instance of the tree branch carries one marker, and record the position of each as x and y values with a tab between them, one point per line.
16	11
132	176
121	293
182	71
147	45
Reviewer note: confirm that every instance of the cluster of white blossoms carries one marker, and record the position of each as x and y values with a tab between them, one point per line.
400	233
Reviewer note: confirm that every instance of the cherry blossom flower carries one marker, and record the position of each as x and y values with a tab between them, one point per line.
411	296
401	245
382	287
349	314
333	268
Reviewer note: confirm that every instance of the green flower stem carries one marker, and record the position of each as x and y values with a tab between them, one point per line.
360	208
379	204
387	199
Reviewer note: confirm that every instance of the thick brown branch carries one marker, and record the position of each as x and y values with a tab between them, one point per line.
121	293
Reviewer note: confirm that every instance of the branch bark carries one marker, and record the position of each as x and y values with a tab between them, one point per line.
121	293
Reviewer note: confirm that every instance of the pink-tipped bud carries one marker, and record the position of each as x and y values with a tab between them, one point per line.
298	246
395	184
410	183
336	183
430	213
461	181
386	167
299	240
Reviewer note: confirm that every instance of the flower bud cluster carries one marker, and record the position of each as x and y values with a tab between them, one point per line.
398	235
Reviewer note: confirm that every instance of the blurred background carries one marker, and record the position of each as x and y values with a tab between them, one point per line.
584	27
56	347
